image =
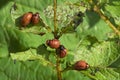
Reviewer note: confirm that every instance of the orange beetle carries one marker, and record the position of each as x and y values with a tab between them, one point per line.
26	19
35	18
61	51
81	65
54	43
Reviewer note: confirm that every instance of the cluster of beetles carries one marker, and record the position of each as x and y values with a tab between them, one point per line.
29	17
61	51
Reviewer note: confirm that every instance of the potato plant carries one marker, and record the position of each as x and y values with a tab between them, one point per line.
59	40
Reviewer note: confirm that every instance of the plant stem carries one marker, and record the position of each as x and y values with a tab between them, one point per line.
58	68
96	9
55	18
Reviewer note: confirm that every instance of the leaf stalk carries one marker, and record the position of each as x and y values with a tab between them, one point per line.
96	9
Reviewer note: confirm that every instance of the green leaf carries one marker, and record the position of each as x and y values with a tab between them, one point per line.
12	39
111	10
28	70
93	25
30	55
74	75
69	41
3	44
107	74
103	55
20	41
96	54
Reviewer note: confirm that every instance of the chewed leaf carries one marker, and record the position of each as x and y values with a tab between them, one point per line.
25	56
96	54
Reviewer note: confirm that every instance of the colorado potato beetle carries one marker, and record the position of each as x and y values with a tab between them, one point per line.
61	51
81	65
54	43
35	18
26	19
